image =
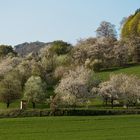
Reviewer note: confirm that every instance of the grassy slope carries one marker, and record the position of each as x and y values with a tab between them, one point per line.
104	75
71	128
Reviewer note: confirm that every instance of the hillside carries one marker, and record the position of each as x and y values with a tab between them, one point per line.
104	75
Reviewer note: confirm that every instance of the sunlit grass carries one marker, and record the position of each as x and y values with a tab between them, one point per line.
71	128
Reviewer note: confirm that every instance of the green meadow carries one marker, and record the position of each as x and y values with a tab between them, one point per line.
71	128
132	70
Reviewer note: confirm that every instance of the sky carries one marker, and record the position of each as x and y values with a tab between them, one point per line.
49	20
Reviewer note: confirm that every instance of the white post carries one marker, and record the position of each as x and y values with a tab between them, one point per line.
21	105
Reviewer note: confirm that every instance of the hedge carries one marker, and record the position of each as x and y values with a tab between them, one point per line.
64	112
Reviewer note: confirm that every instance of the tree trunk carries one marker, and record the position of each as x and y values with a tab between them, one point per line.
106	102
8	104
33	103
127	106
134	104
112	103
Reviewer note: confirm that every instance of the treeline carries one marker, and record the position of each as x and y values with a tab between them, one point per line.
70	70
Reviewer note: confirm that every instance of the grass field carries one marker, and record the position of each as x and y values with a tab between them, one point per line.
71	128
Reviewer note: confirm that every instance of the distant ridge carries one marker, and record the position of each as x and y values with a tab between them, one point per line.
26	48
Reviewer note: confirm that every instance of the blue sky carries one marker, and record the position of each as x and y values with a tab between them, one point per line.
68	20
